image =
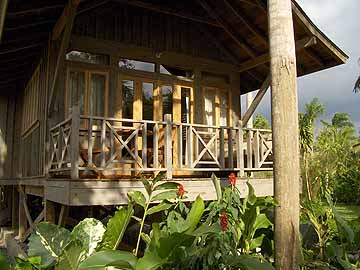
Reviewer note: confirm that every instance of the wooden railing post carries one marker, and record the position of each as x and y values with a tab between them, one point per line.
74	141
239	149
168	146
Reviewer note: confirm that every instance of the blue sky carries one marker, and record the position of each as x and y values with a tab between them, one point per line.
340	21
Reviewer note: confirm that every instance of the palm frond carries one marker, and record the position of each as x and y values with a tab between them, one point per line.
357	85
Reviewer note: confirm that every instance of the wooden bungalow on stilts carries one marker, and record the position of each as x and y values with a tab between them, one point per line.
94	94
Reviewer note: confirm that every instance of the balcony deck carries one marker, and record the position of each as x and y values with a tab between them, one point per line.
84	147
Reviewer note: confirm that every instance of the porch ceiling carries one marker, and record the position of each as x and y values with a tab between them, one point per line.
238	27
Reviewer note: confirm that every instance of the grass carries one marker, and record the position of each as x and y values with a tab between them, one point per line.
348	212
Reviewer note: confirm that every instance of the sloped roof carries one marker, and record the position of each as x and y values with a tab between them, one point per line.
239	26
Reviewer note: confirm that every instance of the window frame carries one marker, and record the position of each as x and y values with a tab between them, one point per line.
87	72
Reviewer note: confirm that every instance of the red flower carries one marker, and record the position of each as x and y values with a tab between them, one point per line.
223	221
181	190
232	179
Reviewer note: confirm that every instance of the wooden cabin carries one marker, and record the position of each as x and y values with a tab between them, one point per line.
94	94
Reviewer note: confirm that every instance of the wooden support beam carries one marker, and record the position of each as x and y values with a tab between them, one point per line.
22	215
49	214
66	18
284	107
17	49
245	21
265	58
228	29
3	9
66	21
33	11
255	103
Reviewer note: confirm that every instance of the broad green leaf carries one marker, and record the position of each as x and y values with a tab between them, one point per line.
48	241
166	195
247	262
194	215
217	185
158	208
167	185
251	198
147	185
116	228
205	229
71	257
146	238
137	197
261	222
256	242
150	261
4	265
102	259
170	243
176	223
90	233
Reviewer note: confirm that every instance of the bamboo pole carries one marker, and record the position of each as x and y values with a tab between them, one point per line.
285	133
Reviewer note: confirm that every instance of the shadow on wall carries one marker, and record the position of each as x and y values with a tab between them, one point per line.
3	152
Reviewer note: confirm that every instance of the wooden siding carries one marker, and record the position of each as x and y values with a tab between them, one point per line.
7	113
148	29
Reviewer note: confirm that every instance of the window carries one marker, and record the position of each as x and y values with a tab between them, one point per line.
176	71
210	108
167	99
137	65
91	97
147	100
216	107
77	90
185	105
31	102
87	57
224	108
127	98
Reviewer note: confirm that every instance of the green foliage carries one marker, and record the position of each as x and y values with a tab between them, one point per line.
48	242
4	265
261	122
116	228
89	233
194	238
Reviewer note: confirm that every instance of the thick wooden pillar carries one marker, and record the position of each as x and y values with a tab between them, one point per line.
285	133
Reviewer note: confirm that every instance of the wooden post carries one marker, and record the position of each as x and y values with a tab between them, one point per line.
74	141
239	149
168	146
22	215
285	133
250	135
49	215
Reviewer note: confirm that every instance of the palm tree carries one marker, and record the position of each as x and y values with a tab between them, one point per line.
313	111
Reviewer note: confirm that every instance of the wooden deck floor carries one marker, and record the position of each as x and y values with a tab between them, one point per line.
97	192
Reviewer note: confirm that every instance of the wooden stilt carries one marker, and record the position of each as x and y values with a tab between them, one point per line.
22	215
15	209
285	134
49	211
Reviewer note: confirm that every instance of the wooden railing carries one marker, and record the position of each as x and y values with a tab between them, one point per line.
110	147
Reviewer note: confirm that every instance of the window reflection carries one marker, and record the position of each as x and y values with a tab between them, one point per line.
127	99
167	99
148	100
97	90
77	90
137	65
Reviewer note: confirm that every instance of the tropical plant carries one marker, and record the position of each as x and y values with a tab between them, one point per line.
313	110
196	238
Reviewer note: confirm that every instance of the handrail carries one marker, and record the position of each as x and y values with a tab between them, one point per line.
104	144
